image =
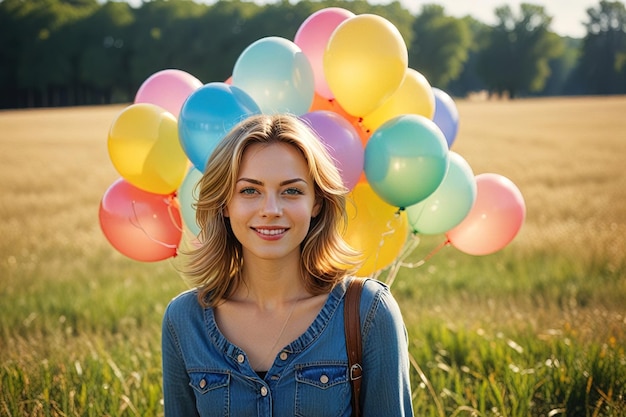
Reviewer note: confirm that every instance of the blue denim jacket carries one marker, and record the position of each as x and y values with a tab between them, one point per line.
206	375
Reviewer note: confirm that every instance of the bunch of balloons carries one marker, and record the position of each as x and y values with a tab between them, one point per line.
347	76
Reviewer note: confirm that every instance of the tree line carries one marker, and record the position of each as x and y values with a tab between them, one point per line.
80	52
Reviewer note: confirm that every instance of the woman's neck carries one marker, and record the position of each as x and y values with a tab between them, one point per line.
271	285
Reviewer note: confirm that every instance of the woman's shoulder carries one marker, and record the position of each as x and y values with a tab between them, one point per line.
184	303
378	304
374	289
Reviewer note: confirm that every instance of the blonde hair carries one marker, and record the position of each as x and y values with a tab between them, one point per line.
215	266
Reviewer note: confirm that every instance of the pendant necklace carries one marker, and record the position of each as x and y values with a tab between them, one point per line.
282	331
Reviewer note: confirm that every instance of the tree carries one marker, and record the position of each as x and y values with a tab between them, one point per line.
516	59
103	53
468	80
440	45
162	35
563	70
603	53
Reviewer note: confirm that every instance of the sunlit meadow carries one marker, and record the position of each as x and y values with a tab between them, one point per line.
537	329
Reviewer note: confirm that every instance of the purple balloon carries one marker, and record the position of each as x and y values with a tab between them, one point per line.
446	115
342	141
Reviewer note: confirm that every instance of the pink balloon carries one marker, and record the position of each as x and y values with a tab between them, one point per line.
312	37
144	226
494	220
342	141
168	89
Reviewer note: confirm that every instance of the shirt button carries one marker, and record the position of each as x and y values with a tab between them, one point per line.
283	356
264	391
203	383
324	379
240	358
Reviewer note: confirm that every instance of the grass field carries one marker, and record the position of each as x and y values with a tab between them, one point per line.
537	329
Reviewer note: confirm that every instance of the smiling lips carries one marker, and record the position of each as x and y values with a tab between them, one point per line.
270	232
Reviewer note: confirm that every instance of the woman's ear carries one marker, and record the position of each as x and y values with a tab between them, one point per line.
225	211
317	207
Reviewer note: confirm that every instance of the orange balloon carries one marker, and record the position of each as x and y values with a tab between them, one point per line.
144	226
375	228
414	96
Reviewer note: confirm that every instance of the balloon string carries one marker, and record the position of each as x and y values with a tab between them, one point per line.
135	222
408	248
390	231
427	257
172	201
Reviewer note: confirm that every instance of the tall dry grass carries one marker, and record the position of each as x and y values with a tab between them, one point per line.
536	329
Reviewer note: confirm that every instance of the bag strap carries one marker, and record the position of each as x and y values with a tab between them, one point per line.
352	323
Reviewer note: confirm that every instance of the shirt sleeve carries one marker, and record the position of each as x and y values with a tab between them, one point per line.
385	389
178	396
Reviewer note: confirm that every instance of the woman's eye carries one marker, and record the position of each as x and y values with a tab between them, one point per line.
293	191
247	191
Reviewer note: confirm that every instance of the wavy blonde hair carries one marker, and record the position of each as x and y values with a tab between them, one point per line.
214	267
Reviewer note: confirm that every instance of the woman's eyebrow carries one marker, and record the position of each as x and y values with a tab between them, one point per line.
257	182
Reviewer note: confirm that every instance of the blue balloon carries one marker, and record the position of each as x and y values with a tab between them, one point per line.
187	198
207	115
446	115
277	75
406	160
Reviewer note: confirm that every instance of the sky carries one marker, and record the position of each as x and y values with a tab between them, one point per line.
567	15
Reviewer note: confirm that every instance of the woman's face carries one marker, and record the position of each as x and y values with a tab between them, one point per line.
273	202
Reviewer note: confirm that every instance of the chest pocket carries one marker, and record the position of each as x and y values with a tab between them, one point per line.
322	390
211	389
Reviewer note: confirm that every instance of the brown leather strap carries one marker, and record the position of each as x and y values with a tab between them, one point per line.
352	323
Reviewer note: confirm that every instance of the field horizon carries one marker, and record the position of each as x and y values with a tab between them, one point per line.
536	329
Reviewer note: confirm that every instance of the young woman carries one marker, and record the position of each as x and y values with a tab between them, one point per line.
262	332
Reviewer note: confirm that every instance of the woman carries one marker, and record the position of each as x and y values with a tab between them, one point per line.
261	333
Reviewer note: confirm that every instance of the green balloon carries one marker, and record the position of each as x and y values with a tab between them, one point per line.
406	159
449	204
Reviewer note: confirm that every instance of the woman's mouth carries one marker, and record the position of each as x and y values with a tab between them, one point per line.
269	232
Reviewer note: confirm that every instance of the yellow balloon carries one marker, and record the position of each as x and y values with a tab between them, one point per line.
144	148
375	228
364	62
414	96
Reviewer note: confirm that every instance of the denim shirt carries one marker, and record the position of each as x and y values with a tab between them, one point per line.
206	375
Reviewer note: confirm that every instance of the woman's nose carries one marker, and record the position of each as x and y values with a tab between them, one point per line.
271	206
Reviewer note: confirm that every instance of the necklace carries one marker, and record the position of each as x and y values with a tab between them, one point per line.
280	335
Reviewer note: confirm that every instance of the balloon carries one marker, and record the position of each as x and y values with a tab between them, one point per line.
342	141
187	198
322	103
375	228
414	96
406	159
494	220
277	75
144	148
168	89
141	225
312	37
449	204
364	62
446	115
207	115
